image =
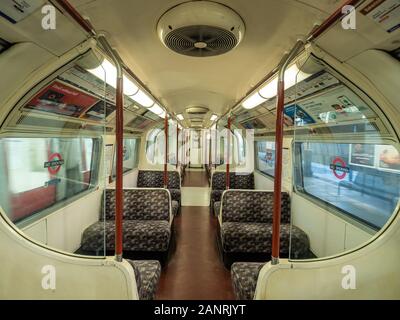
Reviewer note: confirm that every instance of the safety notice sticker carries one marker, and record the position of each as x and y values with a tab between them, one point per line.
384	12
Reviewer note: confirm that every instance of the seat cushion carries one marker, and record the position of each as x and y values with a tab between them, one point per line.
217	208
244	279
147	274
175	195
138	235
257	238
216	195
175	208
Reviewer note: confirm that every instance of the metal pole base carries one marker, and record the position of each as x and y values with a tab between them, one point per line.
274	261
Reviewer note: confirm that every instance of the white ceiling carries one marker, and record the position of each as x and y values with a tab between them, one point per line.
272	27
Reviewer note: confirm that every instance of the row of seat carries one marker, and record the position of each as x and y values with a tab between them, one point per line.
148	232
245	229
237	180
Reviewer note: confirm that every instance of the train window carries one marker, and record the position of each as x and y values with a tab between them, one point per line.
155	146
131	155
265	161
172	142
240	154
360	179
39	173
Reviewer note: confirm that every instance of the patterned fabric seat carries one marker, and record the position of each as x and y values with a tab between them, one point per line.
238	180
155	179
138	235
257	238
147	274
217	207
175	207
146	223
244	279
247	225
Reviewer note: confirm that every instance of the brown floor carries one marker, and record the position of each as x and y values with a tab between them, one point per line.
195	179
195	271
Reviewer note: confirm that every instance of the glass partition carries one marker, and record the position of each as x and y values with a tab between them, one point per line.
346	165
54	164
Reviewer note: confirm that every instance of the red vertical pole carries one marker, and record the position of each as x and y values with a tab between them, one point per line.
278	172
119	196
166	152
276	227
177	144
228	138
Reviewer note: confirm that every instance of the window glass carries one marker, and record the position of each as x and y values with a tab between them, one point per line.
362	180
131	155
172	142
37	173
265	161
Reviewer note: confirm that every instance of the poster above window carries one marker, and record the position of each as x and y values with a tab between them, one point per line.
62	99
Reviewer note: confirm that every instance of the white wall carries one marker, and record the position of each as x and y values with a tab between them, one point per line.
130	179
63	229
328	233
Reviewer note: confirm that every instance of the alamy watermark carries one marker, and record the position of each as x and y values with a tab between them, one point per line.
49	21
349	21
49	277
349	280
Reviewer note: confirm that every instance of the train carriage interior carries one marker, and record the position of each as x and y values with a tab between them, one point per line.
199	150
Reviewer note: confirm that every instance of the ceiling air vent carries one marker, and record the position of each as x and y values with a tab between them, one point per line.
201	29
197	111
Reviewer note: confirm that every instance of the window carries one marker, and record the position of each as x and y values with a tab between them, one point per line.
360	179
155	146
265	161
172	142
38	173
241	147
131	155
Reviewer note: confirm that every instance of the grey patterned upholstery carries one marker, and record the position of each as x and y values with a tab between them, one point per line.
138	235
147	274
155	179
146	223
257	238
139	204
244	279
247	225
217	207
175	208
253	206
238	180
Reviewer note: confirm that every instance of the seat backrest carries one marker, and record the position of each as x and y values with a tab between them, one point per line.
238	180
174	180
242	180
150	179
139	204
252	206
155	179
218	181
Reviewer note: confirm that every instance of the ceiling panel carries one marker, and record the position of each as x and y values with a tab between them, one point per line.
272	27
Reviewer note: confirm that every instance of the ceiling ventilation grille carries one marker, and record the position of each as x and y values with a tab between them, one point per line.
200	41
201	29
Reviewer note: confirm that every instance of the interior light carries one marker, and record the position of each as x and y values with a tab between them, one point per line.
214	117
142	98
180	117
156	109
108	73
292	76
253	101
130	88
269	91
